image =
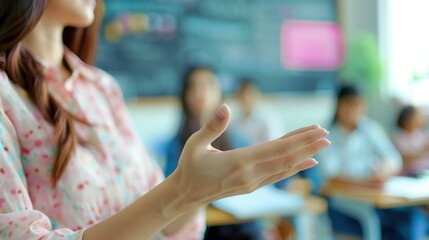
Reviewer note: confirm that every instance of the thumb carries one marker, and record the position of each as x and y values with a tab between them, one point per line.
214	127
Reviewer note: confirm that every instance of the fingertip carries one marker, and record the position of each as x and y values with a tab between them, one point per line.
317	126
325	132
312	127
309	163
215	126
313	161
228	109
323	143
223	112
327	141
306	164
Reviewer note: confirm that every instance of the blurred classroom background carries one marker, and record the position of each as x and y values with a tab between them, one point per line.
296	54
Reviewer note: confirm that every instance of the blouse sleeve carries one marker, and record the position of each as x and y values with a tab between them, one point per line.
195	229
18	219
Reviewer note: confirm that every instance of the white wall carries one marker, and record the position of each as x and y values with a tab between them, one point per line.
356	16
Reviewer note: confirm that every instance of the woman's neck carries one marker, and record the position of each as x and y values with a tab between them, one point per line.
45	42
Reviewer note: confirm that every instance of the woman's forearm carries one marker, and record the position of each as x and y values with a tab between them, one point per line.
205	174
182	222
147	216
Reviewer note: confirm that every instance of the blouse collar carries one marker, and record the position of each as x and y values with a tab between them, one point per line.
62	91
77	67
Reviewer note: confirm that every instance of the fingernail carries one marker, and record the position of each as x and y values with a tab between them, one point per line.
312	163
221	112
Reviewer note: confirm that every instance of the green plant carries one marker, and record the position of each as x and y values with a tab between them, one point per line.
363	63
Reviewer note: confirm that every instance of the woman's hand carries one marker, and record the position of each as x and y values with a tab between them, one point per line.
205	174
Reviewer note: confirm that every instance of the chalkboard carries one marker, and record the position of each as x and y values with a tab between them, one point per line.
146	44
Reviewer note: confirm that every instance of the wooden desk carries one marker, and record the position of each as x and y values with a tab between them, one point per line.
217	217
371	196
360	203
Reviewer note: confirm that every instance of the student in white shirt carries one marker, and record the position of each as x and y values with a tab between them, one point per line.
251	126
360	150
361	153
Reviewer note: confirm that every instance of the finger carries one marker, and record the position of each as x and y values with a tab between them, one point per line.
306	164
269	168
276	148
301	130
251	185
214	127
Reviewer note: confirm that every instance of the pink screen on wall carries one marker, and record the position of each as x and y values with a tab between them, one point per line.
311	45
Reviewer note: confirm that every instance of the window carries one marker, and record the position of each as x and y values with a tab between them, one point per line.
404	40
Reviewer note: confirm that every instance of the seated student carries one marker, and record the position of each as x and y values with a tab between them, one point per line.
200	96
250	127
361	150
362	153
412	140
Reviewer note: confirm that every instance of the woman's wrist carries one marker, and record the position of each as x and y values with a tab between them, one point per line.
178	199
150	214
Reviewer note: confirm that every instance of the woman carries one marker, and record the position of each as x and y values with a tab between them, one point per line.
412	140
71	165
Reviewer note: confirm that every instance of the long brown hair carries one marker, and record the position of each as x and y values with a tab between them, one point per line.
17	19
190	123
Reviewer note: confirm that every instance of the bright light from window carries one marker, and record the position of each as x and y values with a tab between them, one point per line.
408	49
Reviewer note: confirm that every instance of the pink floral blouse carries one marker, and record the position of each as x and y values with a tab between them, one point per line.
110	168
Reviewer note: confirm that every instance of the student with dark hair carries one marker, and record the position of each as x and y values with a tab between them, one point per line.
412	140
199	98
71	163
361	153
361	150
200	95
250	126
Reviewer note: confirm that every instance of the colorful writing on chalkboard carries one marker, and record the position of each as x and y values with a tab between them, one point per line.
146	45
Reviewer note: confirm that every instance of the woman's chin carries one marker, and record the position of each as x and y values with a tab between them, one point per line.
83	21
